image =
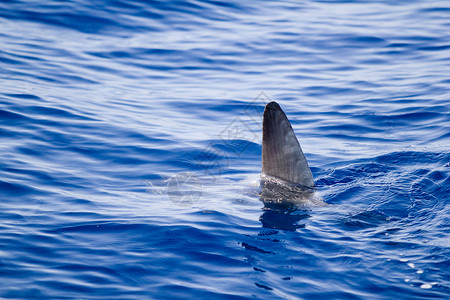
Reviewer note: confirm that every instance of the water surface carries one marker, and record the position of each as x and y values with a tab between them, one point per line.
131	144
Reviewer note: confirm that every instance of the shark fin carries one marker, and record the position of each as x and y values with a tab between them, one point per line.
282	156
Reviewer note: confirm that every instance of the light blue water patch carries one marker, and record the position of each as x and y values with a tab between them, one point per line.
131	145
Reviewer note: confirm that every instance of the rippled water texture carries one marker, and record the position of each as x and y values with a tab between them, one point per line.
131	144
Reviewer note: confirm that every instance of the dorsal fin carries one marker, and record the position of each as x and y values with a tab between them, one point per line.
282	155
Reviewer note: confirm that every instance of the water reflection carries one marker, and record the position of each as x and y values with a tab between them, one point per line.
278	218
286	205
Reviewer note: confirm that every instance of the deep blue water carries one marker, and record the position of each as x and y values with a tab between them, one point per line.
130	139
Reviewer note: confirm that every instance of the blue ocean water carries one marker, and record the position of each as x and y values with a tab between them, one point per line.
131	143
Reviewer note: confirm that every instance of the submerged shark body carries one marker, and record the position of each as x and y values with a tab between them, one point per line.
287	178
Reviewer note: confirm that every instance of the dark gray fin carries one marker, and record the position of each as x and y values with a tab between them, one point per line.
282	155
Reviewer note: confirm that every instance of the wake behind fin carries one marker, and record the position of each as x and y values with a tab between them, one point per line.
282	156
